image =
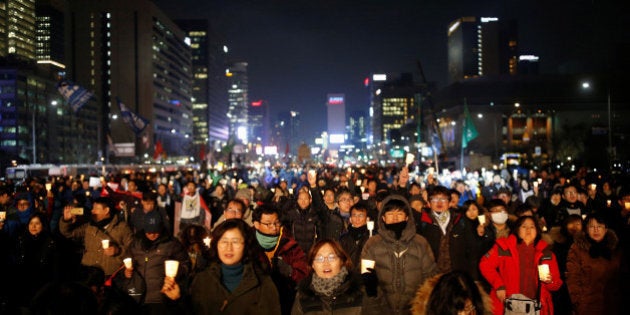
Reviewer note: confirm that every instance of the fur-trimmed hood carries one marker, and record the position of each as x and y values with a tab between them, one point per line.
611	240
419	302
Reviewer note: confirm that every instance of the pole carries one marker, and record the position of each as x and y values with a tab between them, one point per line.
610	148
33	136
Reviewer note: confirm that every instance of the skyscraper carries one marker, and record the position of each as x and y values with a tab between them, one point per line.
481	46
17	29
238	100
336	109
129	49
50	36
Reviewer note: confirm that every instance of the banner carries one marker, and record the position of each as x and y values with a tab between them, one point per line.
135	121
469	132
73	94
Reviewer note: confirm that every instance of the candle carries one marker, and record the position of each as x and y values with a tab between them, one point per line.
206	241
170	268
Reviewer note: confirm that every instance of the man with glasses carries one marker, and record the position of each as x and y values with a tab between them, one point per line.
448	234
234	209
569	205
286	259
402	259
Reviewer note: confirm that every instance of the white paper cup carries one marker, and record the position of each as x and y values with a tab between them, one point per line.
206	241
365	264
482	219
543	272
365	196
370	225
170	268
608	203
105	244
128	262
3	215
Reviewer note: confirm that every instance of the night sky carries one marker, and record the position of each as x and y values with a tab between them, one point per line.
298	51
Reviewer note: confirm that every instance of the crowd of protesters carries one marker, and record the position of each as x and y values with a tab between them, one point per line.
315	240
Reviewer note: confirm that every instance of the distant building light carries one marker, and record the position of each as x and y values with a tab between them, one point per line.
54	63
225	49
257	103
187	41
489	19
528	58
336	138
379	77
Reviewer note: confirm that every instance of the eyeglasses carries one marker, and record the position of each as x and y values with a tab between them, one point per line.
236	243
274	224
345	199
597	227
321	259
436	200
233	211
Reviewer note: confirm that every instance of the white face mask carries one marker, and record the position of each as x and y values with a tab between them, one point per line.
499	217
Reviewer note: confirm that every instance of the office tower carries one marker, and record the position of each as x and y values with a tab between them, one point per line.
357	128
236	74
50	36
374	85
17	29
286	131
259	122
336	110
481	46
131	51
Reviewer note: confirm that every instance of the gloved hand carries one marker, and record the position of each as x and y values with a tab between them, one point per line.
283	268
370	281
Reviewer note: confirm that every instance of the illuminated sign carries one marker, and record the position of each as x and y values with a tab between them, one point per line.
271	150
489	19
335	100
257	103
379	77
336	138
528	58
366	81
175	102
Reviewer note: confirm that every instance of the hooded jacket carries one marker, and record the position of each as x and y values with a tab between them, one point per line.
401	264
419	303
594	283
501	267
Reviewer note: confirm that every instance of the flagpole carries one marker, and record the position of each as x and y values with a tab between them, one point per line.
461	155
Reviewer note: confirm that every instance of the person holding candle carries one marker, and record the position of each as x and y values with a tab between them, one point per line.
512	267
357	234
235	282
594	266
104	225
150	249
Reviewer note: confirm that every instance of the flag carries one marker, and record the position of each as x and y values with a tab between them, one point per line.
74	95
135	121
437	145
159	149
469	132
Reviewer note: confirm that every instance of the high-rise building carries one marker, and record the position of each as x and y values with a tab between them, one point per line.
259	122
357	128
50	33
17	29
130	50
481	46
336	109
286	131
238	100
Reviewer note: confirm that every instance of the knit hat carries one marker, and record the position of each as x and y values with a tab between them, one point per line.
243	193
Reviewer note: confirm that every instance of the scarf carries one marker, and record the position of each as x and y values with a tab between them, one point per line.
357	233
328	286
599	249
267	241
101	224
231	276
397	228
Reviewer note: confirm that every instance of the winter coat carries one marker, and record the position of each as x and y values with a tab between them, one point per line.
460	242
593	283
352	242
118	234
148	263
290	253
419	303
255	294
401	264
347	299
501	268
304	226
37	263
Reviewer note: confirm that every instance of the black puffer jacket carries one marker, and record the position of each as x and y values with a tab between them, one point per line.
148	263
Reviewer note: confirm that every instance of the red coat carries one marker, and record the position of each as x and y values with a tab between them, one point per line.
500	266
